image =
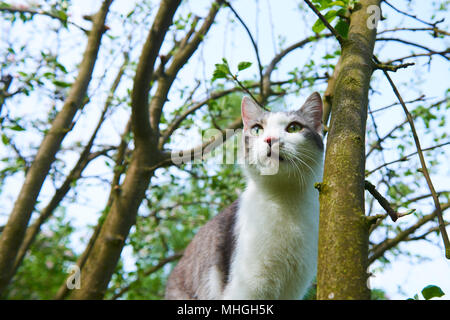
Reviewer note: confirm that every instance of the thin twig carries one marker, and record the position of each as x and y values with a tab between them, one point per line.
247	91
14	9
393	68
146	273
421	98
279	56
405	158
417	55
434	29
255	46
389	134
379	249
383	201
423	164
413	16
424	196
417	45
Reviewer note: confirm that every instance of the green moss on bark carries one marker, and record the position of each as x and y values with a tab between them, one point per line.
343	239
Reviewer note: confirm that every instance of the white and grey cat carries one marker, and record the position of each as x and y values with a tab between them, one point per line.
264	246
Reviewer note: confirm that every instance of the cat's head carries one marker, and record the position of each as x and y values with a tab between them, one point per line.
283	144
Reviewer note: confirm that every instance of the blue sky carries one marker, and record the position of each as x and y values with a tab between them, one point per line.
270	22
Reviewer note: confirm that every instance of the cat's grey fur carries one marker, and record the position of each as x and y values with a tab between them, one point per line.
186	279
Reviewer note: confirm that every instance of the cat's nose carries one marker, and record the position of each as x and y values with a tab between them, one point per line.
270	140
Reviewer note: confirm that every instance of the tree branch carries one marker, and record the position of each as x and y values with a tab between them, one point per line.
413	44
5	82
434	29
329	94
178	120
255	47
413	16
424	196
148	272
278	57
31	11
342	273
105	253
421	98
144	72
382	201
379	250
12	237
405	158
423	164
179	60
198	151
377	145
326	23
84	159
416	55
393	68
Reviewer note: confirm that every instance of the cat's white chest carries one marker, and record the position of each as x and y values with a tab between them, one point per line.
276	249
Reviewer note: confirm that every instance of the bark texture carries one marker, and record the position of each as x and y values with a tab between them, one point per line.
145	118
106	250
344	231
14	232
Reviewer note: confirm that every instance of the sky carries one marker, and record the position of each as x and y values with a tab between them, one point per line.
401	279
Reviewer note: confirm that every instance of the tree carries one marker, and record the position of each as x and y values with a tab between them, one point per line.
140	73
343	244
14	231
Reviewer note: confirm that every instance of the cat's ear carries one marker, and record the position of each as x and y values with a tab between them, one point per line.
312	111
250	110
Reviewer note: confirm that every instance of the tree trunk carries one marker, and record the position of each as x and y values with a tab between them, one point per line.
105	253
145	118
84	159
343	230
14	232
63	290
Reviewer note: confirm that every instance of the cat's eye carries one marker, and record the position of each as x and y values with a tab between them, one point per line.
256	130
294	127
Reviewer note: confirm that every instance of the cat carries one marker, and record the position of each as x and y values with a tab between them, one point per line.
264	245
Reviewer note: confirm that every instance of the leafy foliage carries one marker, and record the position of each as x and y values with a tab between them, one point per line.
341	13
41	55
45	266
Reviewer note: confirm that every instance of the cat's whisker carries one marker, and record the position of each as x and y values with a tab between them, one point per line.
305	164
296	169
299	159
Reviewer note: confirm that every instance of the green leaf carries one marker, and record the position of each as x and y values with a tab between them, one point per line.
319	26
48	75
218	74
5	140
432	291
222	70
244	65
61	67
328	4
62	15
16	127
323	4
342	27
61	84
